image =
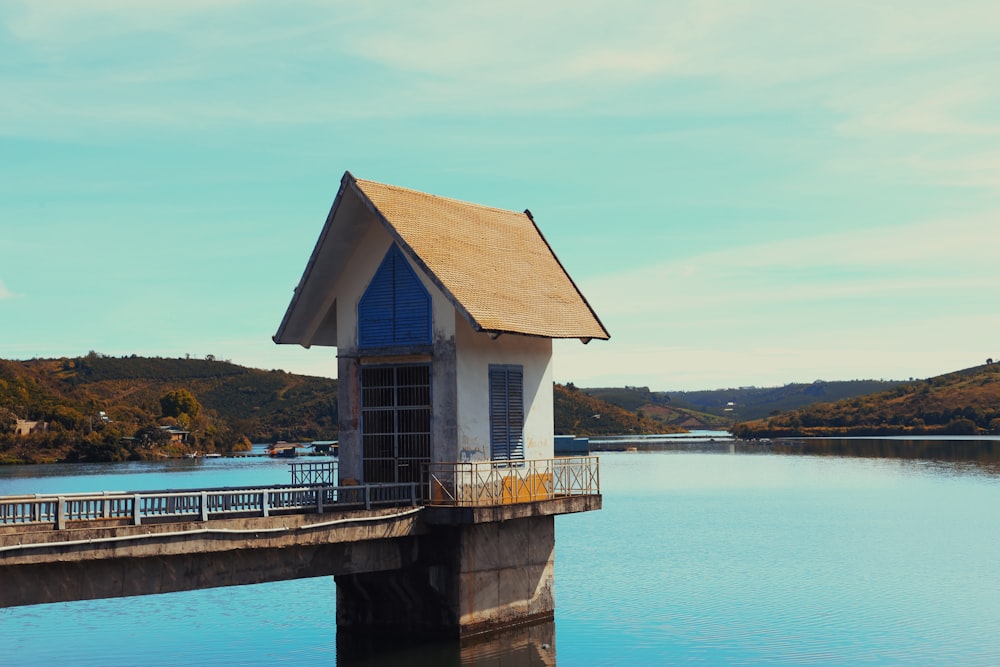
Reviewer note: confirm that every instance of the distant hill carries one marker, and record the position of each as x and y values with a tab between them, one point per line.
720	408
90	403
577	413
963	402
744	403
660	407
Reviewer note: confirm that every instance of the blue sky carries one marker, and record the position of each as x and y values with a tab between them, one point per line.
748	193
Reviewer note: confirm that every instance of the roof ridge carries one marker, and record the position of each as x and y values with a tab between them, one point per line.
433	196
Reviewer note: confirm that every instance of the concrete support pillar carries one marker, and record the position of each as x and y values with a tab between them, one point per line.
349	409
505	574
467	579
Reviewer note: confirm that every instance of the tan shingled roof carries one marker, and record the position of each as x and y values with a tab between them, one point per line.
494	264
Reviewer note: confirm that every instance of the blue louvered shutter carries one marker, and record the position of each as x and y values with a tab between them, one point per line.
507	413
375	311
395	310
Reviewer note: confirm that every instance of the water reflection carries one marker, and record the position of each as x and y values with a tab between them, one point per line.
533	645
979	454
983	452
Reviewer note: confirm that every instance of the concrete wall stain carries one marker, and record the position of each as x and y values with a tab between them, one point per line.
470	455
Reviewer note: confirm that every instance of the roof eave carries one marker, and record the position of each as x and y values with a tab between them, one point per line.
496	333
593	313
279	336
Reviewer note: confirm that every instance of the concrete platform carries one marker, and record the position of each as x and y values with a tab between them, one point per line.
456	516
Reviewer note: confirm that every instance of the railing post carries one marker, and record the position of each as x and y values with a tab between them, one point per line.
597	472
136	510
319	499
368	497
61	513
265	502
204	506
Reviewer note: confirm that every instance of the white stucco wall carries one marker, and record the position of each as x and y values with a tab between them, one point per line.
475	353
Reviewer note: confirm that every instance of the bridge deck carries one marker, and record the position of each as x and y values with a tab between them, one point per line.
83	546
115	561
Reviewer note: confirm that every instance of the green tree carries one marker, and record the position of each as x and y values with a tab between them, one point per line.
8	420
107	449
961	426
68	418
179	402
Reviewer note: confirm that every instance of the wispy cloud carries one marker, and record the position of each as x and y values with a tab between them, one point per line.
915	81
4	292
887	263
911	300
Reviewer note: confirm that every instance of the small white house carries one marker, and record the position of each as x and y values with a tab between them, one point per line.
443	314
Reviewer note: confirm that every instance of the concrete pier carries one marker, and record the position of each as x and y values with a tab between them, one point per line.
468	579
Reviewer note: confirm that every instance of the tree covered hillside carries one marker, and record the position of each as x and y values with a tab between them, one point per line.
720	408
92	406
658	406
576	413
744	403
963	402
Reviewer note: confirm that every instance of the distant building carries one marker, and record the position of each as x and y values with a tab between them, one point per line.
25	427
178	436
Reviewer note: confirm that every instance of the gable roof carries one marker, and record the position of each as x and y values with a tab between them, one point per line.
493	265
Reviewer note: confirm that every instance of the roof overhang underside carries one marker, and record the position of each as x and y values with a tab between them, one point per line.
311	318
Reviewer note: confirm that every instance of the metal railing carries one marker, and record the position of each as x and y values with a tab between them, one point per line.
313	472
482	483
487	483
200	504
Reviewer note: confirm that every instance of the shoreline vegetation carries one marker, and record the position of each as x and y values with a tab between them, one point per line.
102	408
750	433
965	402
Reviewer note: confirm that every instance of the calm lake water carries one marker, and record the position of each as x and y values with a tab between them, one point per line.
714	556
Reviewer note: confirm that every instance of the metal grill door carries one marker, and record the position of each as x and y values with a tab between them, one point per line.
395	422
